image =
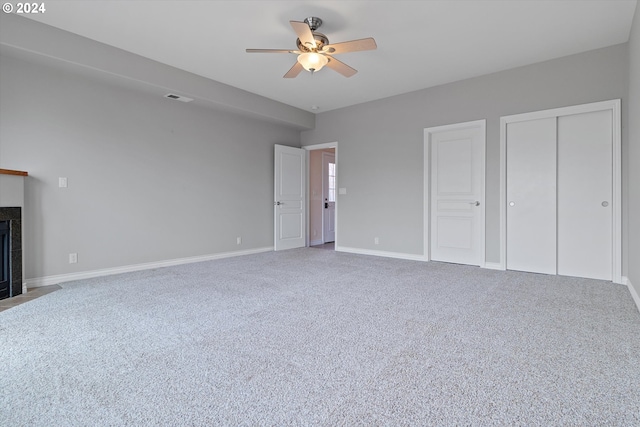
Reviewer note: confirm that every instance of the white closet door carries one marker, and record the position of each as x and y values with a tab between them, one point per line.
531	196
585	195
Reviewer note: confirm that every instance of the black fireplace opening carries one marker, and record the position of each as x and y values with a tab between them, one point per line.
11	247
5	270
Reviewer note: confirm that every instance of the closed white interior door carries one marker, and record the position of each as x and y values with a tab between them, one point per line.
329	197
585	195
457	194
531	196
289	197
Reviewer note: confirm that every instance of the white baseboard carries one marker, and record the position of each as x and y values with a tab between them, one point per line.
398	255
632	290
61	278
493	266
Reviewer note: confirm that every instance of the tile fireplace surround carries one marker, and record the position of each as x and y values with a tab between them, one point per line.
11	209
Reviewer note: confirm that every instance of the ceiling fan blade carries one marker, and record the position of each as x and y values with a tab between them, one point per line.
294	71
351	46
340	67
304	34
272	51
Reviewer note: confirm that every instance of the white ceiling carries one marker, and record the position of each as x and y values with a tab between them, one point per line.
420	43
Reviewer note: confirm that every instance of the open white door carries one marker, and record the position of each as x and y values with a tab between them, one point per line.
289	198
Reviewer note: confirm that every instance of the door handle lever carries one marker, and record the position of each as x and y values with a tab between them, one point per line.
476	203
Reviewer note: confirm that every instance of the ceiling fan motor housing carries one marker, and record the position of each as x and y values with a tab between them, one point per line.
313	22
321	40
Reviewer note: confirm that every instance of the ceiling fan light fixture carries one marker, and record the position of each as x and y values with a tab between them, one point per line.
314	50
312	61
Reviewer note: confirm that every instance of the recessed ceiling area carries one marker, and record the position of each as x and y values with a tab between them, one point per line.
420	43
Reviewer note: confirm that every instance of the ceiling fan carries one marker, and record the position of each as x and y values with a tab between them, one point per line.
314	50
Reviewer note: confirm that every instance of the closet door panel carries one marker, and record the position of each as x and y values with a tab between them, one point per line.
531	196
585	195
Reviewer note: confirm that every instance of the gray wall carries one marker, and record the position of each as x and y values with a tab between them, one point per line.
381	142
18	33
150	179
634	153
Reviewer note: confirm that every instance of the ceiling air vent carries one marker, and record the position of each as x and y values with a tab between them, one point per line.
178	97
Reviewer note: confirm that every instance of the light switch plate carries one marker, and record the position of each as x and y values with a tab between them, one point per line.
62	182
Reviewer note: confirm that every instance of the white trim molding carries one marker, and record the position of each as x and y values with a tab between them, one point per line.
61	278
493	266
428	133
612	105
632	291
321	146
385	254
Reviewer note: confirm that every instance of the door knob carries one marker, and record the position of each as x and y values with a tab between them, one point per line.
512	204
278	203
605	204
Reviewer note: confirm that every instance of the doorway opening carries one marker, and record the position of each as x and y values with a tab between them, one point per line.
322	179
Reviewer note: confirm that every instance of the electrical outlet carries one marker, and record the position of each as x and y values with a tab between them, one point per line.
73	258
315	233
62	182
376	241
238	240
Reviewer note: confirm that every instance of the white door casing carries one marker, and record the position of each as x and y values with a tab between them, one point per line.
314	147
531	196
329	194
589	210
289	198
455	193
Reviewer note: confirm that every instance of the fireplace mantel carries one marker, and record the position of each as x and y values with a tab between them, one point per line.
12	172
